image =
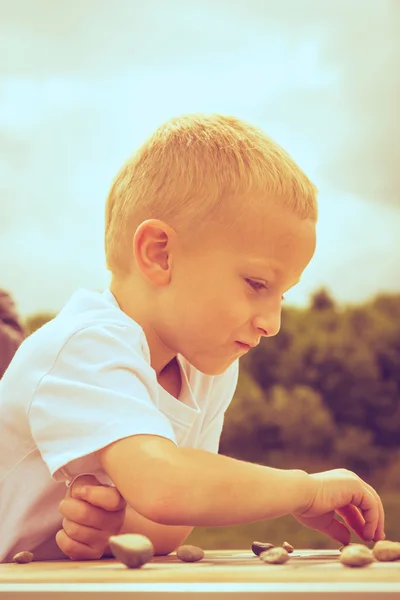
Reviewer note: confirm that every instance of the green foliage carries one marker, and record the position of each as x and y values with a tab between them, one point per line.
350	359
322	300
280	419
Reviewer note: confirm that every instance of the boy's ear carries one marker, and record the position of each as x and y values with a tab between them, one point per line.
152	246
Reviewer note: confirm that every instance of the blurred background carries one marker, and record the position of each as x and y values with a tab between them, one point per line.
83	83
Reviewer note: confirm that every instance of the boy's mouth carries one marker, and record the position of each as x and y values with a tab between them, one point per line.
244	346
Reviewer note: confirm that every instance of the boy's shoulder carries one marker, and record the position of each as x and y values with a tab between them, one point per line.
90	325
87	308
98	317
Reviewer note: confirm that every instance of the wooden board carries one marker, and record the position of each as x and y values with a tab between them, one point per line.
217	567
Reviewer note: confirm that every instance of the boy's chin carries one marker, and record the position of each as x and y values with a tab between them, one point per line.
213	368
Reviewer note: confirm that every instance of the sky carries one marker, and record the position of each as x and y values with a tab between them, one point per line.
83	83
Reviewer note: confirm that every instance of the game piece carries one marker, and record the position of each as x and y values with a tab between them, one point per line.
288	547
275	556
385	550
356	555
23	557
258	547
189	553
347	546
132	549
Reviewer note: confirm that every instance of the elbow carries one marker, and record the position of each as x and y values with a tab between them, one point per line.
164	510
172	507
153	504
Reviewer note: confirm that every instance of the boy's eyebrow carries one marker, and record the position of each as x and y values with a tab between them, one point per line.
266	262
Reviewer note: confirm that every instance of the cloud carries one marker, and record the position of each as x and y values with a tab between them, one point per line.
364	153
357	250
349	109
98	39
81	86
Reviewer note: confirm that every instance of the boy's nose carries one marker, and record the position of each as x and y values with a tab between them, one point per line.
269	324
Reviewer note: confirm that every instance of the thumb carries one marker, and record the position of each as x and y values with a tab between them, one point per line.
337	531
79	482
329	526
88	488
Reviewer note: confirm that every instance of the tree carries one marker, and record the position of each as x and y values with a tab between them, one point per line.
290	420
355	450
322	300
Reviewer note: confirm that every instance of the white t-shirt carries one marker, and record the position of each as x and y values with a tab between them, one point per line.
79	383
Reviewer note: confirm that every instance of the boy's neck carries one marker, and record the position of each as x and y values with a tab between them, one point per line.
136	307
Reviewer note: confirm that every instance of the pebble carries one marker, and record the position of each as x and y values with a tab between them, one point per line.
189	553
131	549
23	557
275	556
258	547
347	546
385	550
356	555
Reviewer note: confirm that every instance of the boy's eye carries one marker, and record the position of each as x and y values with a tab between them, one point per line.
258	286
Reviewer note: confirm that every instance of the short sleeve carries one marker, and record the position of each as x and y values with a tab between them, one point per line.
99	390
221	395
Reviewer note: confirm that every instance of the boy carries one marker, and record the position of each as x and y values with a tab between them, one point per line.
206	227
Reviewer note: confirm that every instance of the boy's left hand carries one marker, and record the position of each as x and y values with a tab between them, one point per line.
90	518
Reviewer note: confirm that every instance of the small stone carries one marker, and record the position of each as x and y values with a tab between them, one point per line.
189	553
258	547
385	550
348	545
288	547
132	549
276	556
23	557
356	555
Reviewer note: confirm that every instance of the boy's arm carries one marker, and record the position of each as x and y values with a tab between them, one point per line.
192	487
165	538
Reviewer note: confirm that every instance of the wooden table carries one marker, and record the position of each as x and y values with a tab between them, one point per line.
233	574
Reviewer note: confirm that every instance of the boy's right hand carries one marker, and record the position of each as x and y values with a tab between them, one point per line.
342	492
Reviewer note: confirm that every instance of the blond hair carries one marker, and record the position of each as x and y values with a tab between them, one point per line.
196	170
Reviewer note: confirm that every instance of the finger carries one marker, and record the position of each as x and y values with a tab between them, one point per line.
82	480
103	496
380	530
337	531
328	525
368	505
353	518
87	535
76	550
84	513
